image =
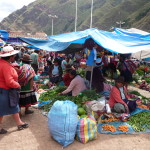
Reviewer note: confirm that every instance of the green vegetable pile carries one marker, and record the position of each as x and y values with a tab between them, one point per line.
144	99
140	72
81	72
53	96
43	87
147	80
135	93
140	121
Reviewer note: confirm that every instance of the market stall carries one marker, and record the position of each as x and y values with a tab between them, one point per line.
89	109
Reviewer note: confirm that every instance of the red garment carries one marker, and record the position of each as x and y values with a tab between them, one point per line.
77	86
115	96
67	79
105	60
8	75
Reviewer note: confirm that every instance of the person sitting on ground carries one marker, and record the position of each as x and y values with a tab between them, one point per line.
55	72
118	100
66	77
76	86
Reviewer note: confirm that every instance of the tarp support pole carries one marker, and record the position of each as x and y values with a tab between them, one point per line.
140	55
91	78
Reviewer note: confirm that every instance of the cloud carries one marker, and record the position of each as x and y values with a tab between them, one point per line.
7	7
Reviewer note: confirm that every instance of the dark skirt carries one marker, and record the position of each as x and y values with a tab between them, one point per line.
5	108
55	79
27	99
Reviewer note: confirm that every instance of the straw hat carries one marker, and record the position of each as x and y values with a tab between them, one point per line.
26	58
8	51
99	62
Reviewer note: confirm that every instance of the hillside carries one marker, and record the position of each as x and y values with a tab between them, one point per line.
106	13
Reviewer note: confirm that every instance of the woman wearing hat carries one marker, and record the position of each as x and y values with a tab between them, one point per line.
27	93
97	77
8	88
118	100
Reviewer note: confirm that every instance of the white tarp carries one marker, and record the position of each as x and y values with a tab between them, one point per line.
142	54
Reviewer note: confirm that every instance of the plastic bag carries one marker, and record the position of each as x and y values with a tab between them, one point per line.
86	129
62	122
95	106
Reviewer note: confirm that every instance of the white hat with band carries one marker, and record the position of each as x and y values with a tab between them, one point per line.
8	51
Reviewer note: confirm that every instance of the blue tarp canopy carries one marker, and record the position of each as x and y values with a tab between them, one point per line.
112	41
1	42
4	34
46	44
31	46
133	32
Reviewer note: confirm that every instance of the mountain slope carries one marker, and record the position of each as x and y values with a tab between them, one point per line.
106	13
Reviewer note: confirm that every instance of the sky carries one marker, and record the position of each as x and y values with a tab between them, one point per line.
9	6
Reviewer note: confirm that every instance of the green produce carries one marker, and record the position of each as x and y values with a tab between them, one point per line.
148	126
81	111
147	80
140	72
44	86
87	95
81	72
83	116
51	94
135	93
140	121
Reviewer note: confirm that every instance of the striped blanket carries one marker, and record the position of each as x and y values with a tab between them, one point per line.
25	73
132	66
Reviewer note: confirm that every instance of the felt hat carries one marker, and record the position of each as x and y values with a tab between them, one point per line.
26	58
99	62
120	79
8	51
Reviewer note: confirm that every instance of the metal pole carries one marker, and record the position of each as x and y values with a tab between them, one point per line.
52	25
140	55
91	77
91	14
76	15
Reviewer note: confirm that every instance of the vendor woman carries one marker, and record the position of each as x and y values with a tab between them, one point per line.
118	100
55	72
76	86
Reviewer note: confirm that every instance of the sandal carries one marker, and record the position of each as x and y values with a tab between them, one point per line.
29	112
23	126
3	131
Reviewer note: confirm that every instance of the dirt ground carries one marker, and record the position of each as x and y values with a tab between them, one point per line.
37	137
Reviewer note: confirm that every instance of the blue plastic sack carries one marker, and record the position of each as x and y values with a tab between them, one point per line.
41	104
62	122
